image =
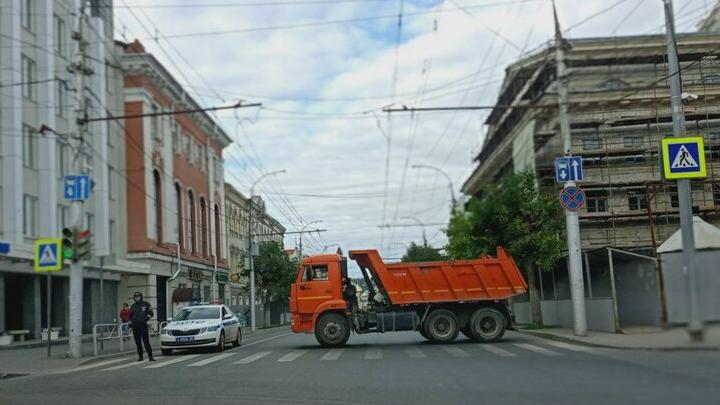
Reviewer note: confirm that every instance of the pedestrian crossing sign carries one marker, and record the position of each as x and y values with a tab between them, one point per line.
684	158
48	255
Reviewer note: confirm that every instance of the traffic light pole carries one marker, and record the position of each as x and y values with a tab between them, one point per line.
77	207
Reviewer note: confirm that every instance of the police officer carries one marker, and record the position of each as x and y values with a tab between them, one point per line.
140	313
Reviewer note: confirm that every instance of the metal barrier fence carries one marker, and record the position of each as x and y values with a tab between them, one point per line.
109	332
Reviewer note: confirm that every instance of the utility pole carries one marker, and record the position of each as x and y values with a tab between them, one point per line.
77	207
695	327
577	289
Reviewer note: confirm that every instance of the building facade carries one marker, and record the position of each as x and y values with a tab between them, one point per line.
175	193
37	90
619	109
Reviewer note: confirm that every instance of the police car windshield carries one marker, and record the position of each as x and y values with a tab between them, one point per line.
189	314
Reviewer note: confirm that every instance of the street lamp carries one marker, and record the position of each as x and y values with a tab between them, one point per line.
302	230
249	246
420	223
444	173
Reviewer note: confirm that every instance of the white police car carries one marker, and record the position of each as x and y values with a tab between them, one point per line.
200	326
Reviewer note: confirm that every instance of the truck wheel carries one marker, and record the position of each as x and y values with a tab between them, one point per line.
332	330
487	325
441	326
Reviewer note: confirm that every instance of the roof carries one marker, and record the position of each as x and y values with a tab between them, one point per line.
707	236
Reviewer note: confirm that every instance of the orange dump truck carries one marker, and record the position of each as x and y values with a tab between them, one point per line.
437	299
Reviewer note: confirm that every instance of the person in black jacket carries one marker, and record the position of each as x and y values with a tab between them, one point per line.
140	313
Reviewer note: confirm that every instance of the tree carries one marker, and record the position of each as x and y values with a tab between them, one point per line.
422	253
274	273
514	214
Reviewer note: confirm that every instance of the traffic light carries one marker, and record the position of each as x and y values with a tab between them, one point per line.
68	244
83	244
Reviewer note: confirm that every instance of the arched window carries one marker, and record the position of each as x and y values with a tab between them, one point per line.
217	232
158	207
178	207
193	224
204	225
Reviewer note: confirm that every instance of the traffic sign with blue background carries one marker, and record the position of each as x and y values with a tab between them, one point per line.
684	158
5	247
572	198
48	255
568	168
77	187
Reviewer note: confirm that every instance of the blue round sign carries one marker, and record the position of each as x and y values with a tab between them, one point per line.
572	198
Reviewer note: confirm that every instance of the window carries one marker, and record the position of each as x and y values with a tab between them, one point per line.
674	200
201	157
633	141
90	222
111	182
716	194
29	148
110	134
62	216
61	160
158	207
59	32
186	146
217	232
89	163
27	77
26	14
178	207
30	213
204	226
155	122
315	273
591	143
191	234
60	97
637	200
175	137
108	77
111	232
596	201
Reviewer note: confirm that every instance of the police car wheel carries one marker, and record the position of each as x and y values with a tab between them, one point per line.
236	342
221	342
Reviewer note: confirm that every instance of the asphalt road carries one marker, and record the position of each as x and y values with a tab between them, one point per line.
398	368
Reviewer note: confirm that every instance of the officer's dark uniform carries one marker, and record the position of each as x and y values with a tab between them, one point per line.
140	313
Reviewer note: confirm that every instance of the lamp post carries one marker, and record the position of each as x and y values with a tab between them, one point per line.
302	230
444	173
249	246
420	223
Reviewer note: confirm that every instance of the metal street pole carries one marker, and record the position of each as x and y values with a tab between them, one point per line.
420	223
249	246
444	173
577	290
302	231
77	207
695	327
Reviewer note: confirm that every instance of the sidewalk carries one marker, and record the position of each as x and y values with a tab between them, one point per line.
33	360
635	339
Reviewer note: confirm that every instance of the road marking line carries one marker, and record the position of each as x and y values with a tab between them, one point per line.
373	354
496	350
333	354
575	348
91	366
173	361
291	356
455	352
265	340
126	365
212	359
537	349
252	357
415	353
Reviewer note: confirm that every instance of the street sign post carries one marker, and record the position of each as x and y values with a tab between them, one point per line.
568	168
48	255
684	158
572	198
77	187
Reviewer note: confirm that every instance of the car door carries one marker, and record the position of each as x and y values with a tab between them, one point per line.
314	288
232	324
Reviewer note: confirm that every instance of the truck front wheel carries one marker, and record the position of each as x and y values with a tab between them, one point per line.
332	330
441	326
487	325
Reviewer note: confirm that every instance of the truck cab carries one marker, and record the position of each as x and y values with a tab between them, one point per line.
317	290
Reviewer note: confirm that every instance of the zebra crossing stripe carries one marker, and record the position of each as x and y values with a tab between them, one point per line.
212	359
496	350
455	352
252	357
173	361
373	354
126	365
91	366
415	353
291	356
537	349
332	354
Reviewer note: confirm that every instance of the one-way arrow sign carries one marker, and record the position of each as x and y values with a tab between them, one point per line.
568	168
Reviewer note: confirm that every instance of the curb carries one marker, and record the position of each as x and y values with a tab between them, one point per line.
578	342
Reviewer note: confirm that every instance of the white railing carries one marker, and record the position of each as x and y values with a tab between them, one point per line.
103	332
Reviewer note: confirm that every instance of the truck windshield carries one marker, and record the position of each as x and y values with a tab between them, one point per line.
189	314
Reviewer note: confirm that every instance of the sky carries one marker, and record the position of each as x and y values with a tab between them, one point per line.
325	69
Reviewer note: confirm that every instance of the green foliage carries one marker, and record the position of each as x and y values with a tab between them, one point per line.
422	253
514	214
274	272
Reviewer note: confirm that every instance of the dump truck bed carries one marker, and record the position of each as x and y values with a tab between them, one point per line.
482	279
